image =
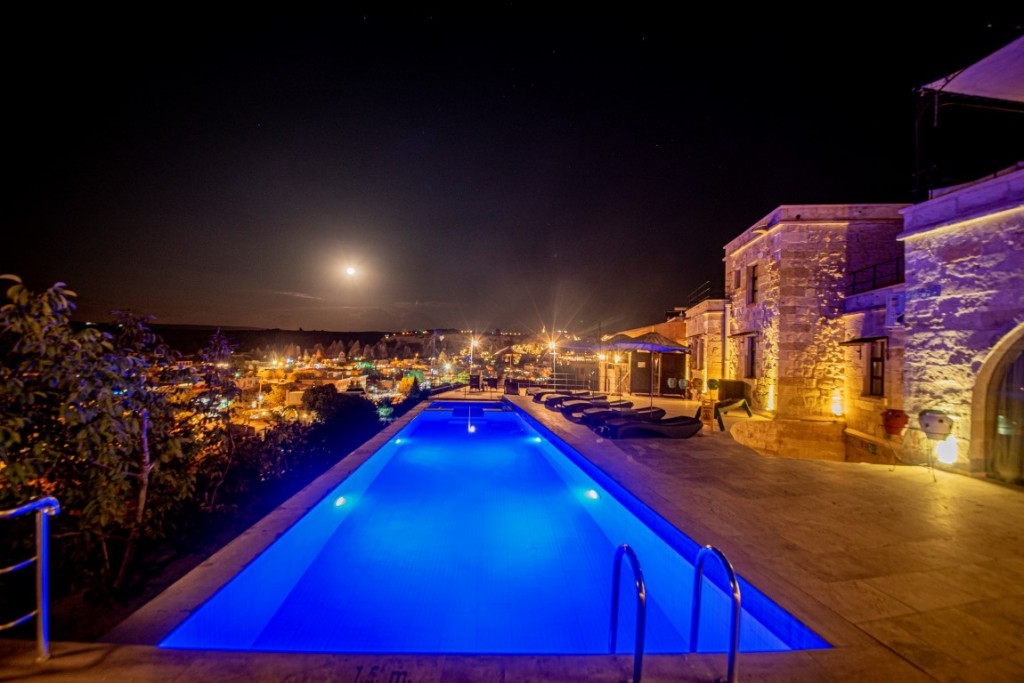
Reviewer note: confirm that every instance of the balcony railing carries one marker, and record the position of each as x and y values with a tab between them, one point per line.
705	291
879	275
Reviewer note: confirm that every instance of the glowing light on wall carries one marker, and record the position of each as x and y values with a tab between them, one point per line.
770	399
946	451
837	403
471	429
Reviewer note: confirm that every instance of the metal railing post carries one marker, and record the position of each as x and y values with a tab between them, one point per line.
734	623
42	585
44	508
641	608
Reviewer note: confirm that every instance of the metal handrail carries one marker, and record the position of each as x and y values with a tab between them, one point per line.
734	623
877	275
641	608
44	509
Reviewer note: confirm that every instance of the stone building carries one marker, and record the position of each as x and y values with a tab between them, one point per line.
786	280
705	335
964	317
835	314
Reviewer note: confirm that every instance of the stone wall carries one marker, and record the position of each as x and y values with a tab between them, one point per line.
872	243
802	439
965	293
865	317
804	256
813	275
760	318
704	337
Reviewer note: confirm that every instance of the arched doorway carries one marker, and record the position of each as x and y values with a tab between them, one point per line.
1002	427
1004	457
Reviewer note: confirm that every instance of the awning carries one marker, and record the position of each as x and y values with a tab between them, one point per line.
1000	76
749	333
861	340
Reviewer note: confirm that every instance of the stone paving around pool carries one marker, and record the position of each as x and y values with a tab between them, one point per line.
909	578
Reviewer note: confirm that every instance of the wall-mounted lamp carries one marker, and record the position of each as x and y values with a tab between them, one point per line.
837	403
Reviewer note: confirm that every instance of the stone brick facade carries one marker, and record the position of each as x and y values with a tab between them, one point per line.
786	279
964	298
866	319
705	335
839	341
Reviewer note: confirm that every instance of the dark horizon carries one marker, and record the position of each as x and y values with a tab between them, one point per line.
512	171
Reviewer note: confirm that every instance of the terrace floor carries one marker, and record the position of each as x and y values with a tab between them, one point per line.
909	578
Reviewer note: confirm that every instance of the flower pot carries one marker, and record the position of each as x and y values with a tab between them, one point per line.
935	424
894	420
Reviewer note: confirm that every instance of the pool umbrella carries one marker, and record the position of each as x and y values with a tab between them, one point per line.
650	341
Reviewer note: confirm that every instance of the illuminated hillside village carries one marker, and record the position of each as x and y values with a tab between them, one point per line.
832	315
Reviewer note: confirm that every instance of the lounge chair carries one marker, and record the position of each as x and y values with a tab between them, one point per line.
574	405
575	409
474	383
682	427
554	401
605	403
595	418
730	397
538	396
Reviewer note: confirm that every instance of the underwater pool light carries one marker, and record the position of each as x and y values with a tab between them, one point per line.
591	494
339	502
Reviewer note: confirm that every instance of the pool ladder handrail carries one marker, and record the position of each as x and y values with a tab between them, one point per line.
641	607
44	509
734	625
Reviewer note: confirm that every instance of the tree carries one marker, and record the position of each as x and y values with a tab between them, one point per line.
320	400
209	417
81	419
340	418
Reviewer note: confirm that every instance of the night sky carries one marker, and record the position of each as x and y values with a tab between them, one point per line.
514	171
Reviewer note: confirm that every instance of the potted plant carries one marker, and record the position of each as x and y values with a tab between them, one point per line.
936	424
713	389
894	420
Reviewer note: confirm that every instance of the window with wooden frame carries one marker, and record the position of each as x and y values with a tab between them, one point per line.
752	284
751	357
874	375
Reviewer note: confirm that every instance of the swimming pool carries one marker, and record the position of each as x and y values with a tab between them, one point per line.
470	532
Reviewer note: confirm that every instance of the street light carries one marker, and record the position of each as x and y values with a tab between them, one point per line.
551	345
472	348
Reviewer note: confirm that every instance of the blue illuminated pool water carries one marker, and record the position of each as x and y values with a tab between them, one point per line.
470	532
